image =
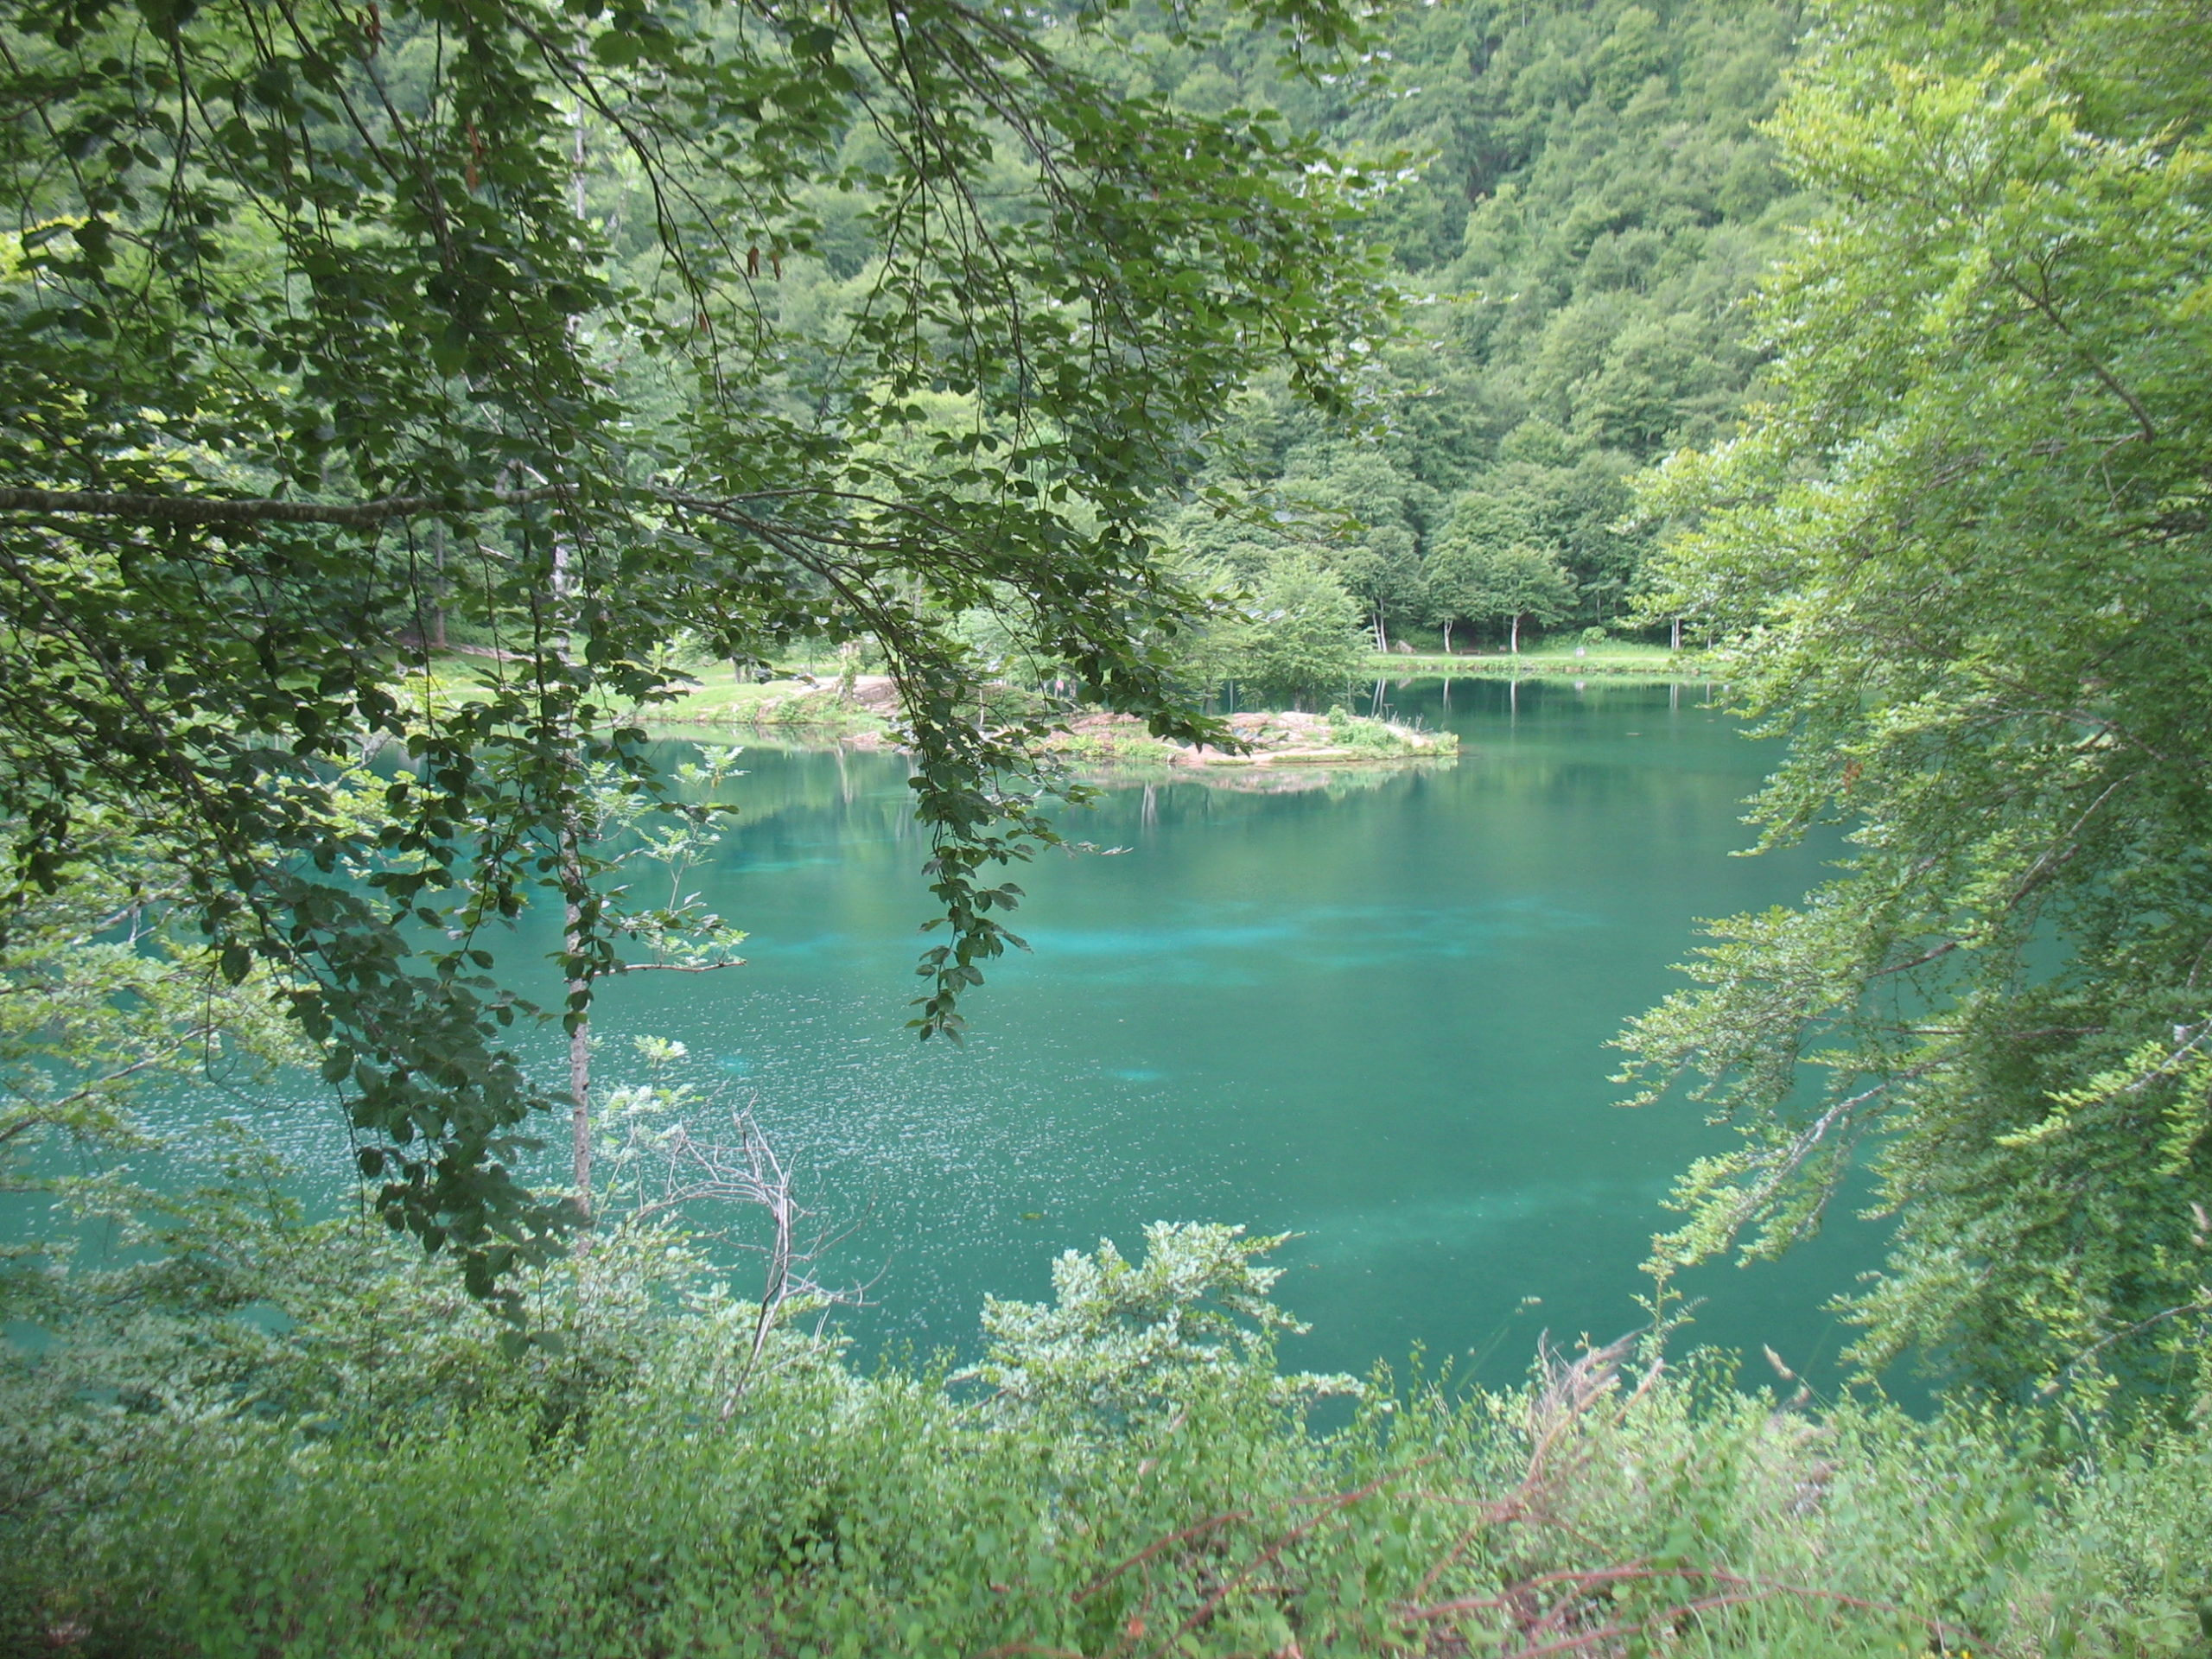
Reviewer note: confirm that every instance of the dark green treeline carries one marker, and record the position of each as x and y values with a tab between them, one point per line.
1584	201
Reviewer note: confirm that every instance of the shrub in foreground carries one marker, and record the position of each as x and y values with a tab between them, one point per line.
385	1470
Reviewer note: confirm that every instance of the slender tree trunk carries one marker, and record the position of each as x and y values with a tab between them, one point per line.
1447	638
579	1067
1676	644
1517	634
1382	631
572	929
438	603
572	923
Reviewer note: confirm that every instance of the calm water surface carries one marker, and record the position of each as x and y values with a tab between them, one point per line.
1374	1013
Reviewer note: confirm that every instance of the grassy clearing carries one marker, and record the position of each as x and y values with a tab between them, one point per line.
719	699
798	704
1615	656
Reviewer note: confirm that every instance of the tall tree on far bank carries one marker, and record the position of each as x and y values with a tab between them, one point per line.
1491	566
1508	585
1962	557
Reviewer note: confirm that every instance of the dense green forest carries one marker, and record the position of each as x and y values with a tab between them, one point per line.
1120	354
1581	203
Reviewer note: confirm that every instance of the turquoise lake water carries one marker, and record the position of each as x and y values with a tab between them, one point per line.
1373	1012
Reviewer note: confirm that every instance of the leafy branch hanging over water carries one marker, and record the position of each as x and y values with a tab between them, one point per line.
1961	558
324	326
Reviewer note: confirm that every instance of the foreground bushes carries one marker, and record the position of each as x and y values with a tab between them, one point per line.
383	1470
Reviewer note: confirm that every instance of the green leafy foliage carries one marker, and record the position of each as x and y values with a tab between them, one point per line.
389	1470
1473	576
331	332
1121	1341
1299	637
1581	199
99	997
1960	558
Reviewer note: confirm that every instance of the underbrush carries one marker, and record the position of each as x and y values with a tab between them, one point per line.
281	1439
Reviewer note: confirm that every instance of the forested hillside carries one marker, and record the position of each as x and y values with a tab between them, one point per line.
1582	204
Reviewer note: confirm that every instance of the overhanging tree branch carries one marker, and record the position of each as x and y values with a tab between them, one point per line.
256	509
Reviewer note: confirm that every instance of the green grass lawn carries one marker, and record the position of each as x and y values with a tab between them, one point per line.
720	697
720	692
1562	655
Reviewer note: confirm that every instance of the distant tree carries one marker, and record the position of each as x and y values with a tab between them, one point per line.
1461	584
1494	563
1457	588
1382	570
1473	583
1364	514
1529	583
1302	637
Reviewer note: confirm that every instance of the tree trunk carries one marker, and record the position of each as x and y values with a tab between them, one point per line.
1517	634
1677	641
1382	631
572	930
579	1066
438	603
579	988
1447	638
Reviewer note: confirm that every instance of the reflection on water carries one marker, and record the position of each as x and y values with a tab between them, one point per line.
1372	1011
